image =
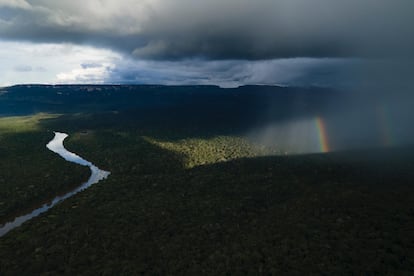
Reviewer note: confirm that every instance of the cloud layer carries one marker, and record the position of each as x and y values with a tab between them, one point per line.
230	43
54	63
67	63
216	29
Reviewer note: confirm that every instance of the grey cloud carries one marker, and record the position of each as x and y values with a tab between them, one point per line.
91	65
40	69
23	68
232	73
22	4
216	29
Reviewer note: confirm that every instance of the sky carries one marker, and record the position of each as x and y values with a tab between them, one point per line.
222	42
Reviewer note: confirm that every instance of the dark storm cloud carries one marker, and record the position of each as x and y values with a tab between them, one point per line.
232	73
216	29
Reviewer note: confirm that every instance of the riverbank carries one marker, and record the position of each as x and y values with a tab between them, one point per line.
28	170
336	213
56	146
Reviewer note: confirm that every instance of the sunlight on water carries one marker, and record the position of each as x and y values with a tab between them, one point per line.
56	145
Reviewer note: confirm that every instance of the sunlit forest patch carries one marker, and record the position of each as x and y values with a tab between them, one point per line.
199	151
16	124
193	193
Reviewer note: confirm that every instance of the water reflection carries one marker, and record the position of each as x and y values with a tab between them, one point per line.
56	145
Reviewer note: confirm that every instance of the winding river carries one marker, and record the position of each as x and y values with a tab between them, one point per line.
56	145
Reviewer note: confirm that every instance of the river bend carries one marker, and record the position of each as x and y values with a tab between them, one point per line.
56	145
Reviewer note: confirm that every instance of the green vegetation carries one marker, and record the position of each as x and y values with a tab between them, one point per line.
29	173
190	195
20	124
334	214
197	151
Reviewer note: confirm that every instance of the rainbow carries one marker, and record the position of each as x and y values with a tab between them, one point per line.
322	134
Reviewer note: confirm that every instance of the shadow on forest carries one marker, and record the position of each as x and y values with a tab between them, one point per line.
154	216
160	217
322	213
121	138
30	175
